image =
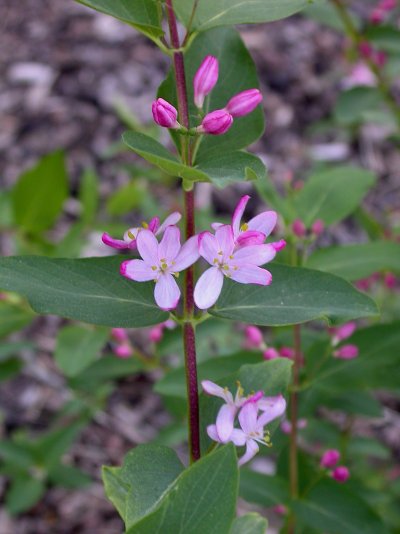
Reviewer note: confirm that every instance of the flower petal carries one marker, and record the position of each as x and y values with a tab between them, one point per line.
172	219
188	254
225	420
248	418
251	450
137	270
251	274
264	222
147	246
208	288
217	391
238	214
153	225
226	243
114	243
216	225
238	437
167	292
272	407
170	244
250	237
212	433
255	254
208	247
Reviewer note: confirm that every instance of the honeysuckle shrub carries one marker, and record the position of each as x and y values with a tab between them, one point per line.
272	331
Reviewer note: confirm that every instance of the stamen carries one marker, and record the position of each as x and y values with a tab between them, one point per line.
154	267
145	225
231	257
220	253
131	235
225	267
244	227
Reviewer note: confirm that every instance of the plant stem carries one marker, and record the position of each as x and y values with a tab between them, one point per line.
357	37
189	339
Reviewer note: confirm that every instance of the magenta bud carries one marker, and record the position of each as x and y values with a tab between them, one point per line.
205	79
317	227
302	423
280	509
123	351
156	333
254	337
377	16
387	5
270	354
243	103
119	334
330	458
164	114
344	331
216	123
379	58
286	352
365	49
390	280
347	352
299	228
341	474
279	245
286	427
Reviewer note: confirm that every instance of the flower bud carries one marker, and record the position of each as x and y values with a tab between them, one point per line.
119	334
205	79
254	337
390	280
123	351
317	227
387	5
377	16
379	58
156	333
164	114
365	48
243	103
279	245
216	123
330	458
280	509
343	332
286	427
341	474
286	352
299	228
270	354
347	352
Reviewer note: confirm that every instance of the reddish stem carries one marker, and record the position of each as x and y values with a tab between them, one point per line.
188	330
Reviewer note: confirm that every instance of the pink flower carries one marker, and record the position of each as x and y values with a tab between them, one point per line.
164	114
317	227
161	262
342	332
205	79
242	265
119	334
244	103
123	351
298	228
270	354
340	474
330	458
130	236
216	123
287	352
347	352
362	75
256	230
254	336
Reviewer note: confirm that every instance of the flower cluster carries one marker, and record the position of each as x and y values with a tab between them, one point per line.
253	412
339	334
216	122
381	11
329	461
234	251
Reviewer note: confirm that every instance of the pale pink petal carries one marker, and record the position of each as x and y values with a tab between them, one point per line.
224	422
238	437
167	292
131	234
238	214
170	244
255	254
212	433
216	225
248	418
217	391
251	274
208	247
272	407
264	222
208	288
251	450
147	246
137	270
188	254
154	225
250	237
226	243
114	243
172	219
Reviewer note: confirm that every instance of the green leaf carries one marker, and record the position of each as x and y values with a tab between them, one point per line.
116	489
10	368
325	13
332	508
263	490
89	196
385	38
333	194
78	347
68	476
39	194
354	262
202	499
353	103
13	318
23	494
105	369
49	448
211	13
16	455
296	295
89	290
237	72
251	523
125	199
229	167
142	14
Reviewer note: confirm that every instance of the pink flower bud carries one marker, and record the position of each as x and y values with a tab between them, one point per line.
286	427
164	114
119	334
365	49
299	228
379	58
387	5
343	332
279	245
286	352
302	423
330	458
270	354
280	509
205	79
156	333
390	280
254	337
340	474
216	123
347	352
317	227
123	351
377	16
244	103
